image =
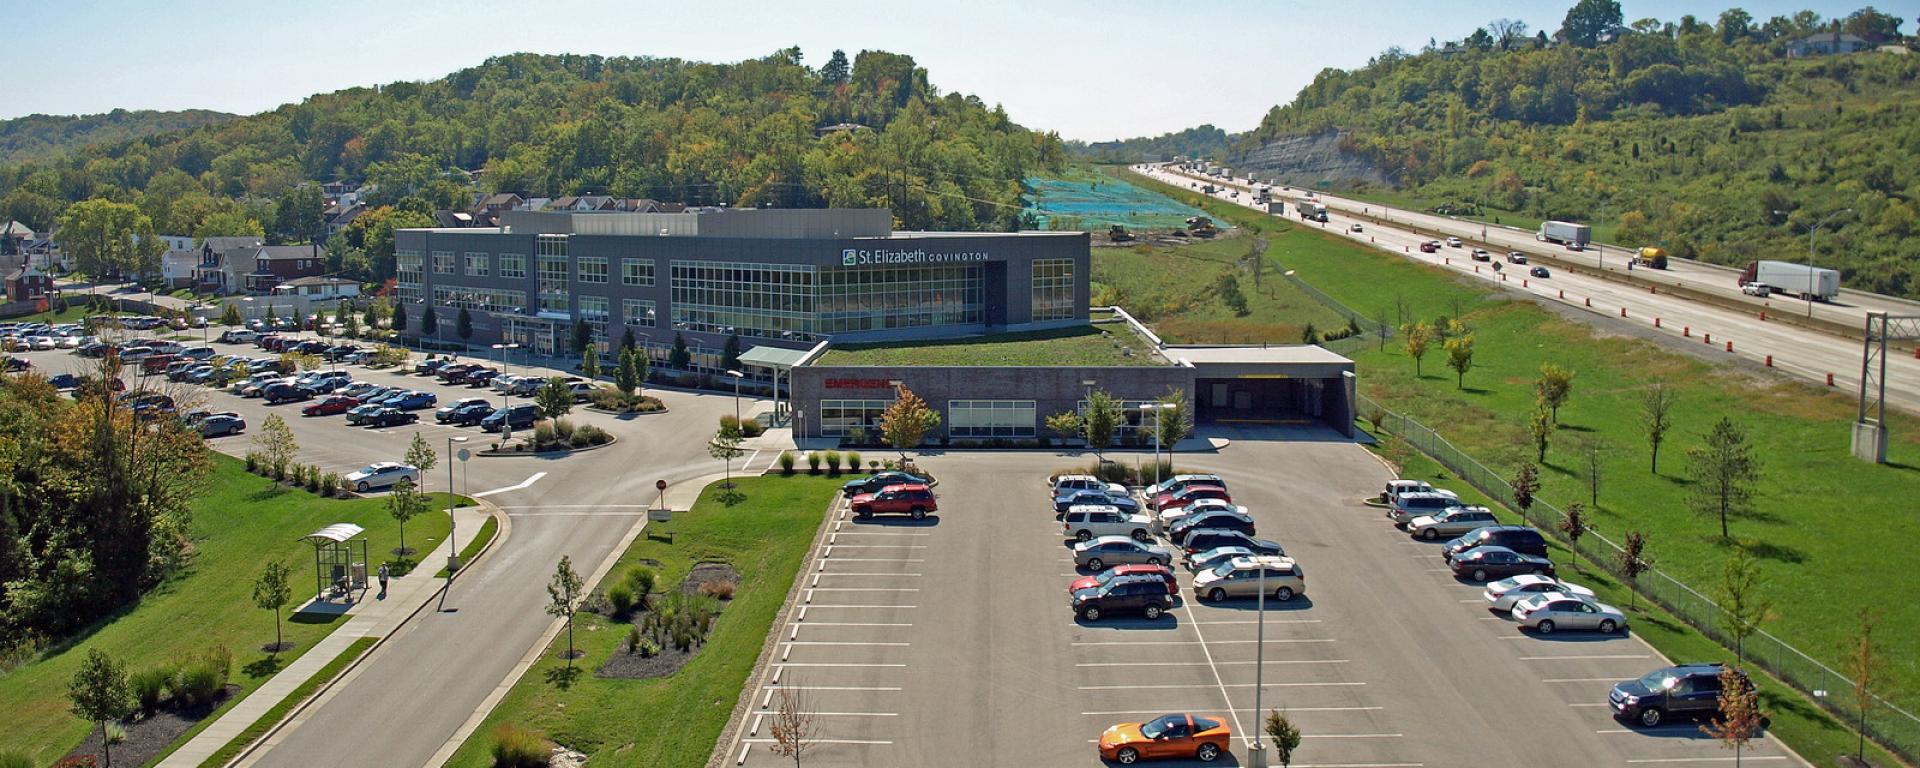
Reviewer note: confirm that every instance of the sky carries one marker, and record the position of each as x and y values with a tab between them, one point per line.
1089	70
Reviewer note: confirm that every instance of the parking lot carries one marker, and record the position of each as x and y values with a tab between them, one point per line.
919	643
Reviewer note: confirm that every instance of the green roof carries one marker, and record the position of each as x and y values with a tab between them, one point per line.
1106	344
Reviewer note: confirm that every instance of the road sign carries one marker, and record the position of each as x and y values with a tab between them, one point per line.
660	515
464	454
660	485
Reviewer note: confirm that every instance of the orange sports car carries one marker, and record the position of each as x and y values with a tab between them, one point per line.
1176	735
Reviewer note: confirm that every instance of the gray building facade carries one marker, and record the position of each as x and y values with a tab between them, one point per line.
784	278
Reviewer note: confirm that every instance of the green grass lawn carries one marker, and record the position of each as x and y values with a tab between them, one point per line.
241	522
1826	527
672	722
76	311
1106	344
274	714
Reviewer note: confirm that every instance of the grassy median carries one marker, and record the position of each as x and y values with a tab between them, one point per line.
672	721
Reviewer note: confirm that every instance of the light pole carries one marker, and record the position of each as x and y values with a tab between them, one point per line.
1154	408
737	376
453	555
1811	233
1259	666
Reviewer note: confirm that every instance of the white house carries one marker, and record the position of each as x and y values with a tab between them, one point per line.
318	288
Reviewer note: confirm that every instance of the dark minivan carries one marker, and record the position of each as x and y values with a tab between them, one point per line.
1688	691
1518	538
517	417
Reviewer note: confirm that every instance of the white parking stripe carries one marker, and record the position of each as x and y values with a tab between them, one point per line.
1202	663
1117	712
1705	759
1270	641
523	484
1220	685
1585	658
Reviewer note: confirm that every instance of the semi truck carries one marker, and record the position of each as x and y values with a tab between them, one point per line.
1310	211
1651	257
1810	283
1564	233
1276	207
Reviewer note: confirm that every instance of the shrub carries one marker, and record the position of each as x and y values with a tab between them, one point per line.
253	462
578	440
13	759
719	590
196	683
853	461
544	434
563	428
150	687
856	436
786	462
813	463
833	462
646	647
330	484
588	434
116	733
608	398
641	580
311	478
620	596
517	747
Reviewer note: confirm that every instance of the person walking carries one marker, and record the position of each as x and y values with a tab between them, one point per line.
383	581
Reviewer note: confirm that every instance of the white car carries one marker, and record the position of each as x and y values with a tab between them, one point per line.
1503	594
1757	288
1065	483
1553	611
381	474
1089	521
1168	517
1453	242
69	342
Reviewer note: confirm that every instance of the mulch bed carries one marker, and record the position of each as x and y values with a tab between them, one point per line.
632	666
152	734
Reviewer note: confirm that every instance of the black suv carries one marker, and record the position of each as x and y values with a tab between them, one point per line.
1688	690
1518	538
1202	539
1225	519
517	417
1147	597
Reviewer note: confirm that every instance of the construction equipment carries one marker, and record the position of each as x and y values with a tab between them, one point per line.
1119	234
1201	226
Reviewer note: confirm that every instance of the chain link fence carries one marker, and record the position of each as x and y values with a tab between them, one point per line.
1891	726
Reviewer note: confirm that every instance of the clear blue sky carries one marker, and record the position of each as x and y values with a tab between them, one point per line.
1090	70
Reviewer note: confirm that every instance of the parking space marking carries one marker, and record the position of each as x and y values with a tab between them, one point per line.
1175	686
1586	658
1204	643
1581	680
843	642
1704	759
1202	663
1119	712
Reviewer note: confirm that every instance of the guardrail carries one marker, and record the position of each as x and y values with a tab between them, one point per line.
1891	726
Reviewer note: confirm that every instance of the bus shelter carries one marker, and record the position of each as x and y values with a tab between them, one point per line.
339	562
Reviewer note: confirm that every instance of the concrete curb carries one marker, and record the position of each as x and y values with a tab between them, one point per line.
503	529
545	454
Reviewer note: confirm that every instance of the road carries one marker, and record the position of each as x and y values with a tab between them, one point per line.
1797	351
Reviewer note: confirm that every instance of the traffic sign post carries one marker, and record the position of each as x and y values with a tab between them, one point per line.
661	513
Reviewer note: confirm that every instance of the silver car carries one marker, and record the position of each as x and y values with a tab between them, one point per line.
1097	554
1552	611
1241	577
1451	522
1503	594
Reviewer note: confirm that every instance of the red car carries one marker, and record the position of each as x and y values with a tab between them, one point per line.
912	499
1179	735
1430	247
1189	495
1138	569
336	404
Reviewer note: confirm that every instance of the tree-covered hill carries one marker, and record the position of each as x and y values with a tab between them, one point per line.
872	131
1203	141
1706	137
41	137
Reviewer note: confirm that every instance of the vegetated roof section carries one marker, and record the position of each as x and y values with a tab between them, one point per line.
1087	345
337	532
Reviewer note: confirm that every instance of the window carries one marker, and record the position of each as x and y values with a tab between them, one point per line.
552	272
1053	289
990	418
513	265
487	299
636	272
406	267
443	262
873	299
1134	423
592	269
593	309
478	264
637	312
550	245
769	300
838	417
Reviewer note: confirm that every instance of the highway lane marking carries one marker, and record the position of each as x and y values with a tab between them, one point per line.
1586	658
1202	663
523	484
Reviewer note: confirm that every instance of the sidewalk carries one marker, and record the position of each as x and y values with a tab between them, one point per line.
369	618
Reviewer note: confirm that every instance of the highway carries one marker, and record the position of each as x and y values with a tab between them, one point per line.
1798	351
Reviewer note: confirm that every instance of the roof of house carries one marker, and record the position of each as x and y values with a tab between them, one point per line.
501	198
224	244
305	281
1831	37
16	229
277	252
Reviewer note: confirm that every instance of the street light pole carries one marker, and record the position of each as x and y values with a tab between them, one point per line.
737	376
453	555
1154	409
1259	666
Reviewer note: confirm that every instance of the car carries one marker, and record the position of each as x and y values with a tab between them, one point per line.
874	482
1214	557
1408	505
1430	246
1516	257
332	405
1212	518
221	424
1147	597
1179	482
357	389
1354	228
1097	554
1087	521
381	474
1453	521
1062	483
1163	573
1518	538
1480	254
518	417
481	377
1453	242
1243	577
1685	691
1189	495
237	336
446	411
412	401
504	382
282	392
1399	486
431	365
1166	519
1203	539
469	415
378	394
390	417
1072	499
1539	272
359	413
452	374
1552	611
1574	246
1757	288
1485	563
914	500
64	381
1180	735
1502	594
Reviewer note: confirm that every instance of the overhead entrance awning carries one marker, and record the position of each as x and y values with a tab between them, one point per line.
781	361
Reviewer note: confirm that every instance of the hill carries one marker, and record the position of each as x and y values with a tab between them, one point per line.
1204	141
772	131
1707	138
40	137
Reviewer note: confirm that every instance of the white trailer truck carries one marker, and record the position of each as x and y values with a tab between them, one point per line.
1564	233
1811	283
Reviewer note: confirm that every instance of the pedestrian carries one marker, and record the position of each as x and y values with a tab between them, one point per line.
383	580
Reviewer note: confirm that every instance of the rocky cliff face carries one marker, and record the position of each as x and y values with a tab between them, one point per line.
1307	161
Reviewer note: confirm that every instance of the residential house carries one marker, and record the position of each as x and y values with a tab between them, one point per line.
341	214
318	288
1826	44
446	219
276	264
224	264
177	266
582	203
28	284
839	128
14	237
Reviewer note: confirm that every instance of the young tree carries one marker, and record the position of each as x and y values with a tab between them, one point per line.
404	502
421	456
1381	330
1656	405
627	340
276	444
230	316
907	421
730	353
725	446
372	317
679	356
555	398
1574	524
399	318
1553	388
1173	419
582	336
1285	735
626	375
590	363
1740	588
1540	426
463	326
271	592
1459	348
1065	424
1724	471
1592	450
98	693
1418	337
795	728
563	599
1634	560
1101	419
1526	482
1865	666
1740	718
